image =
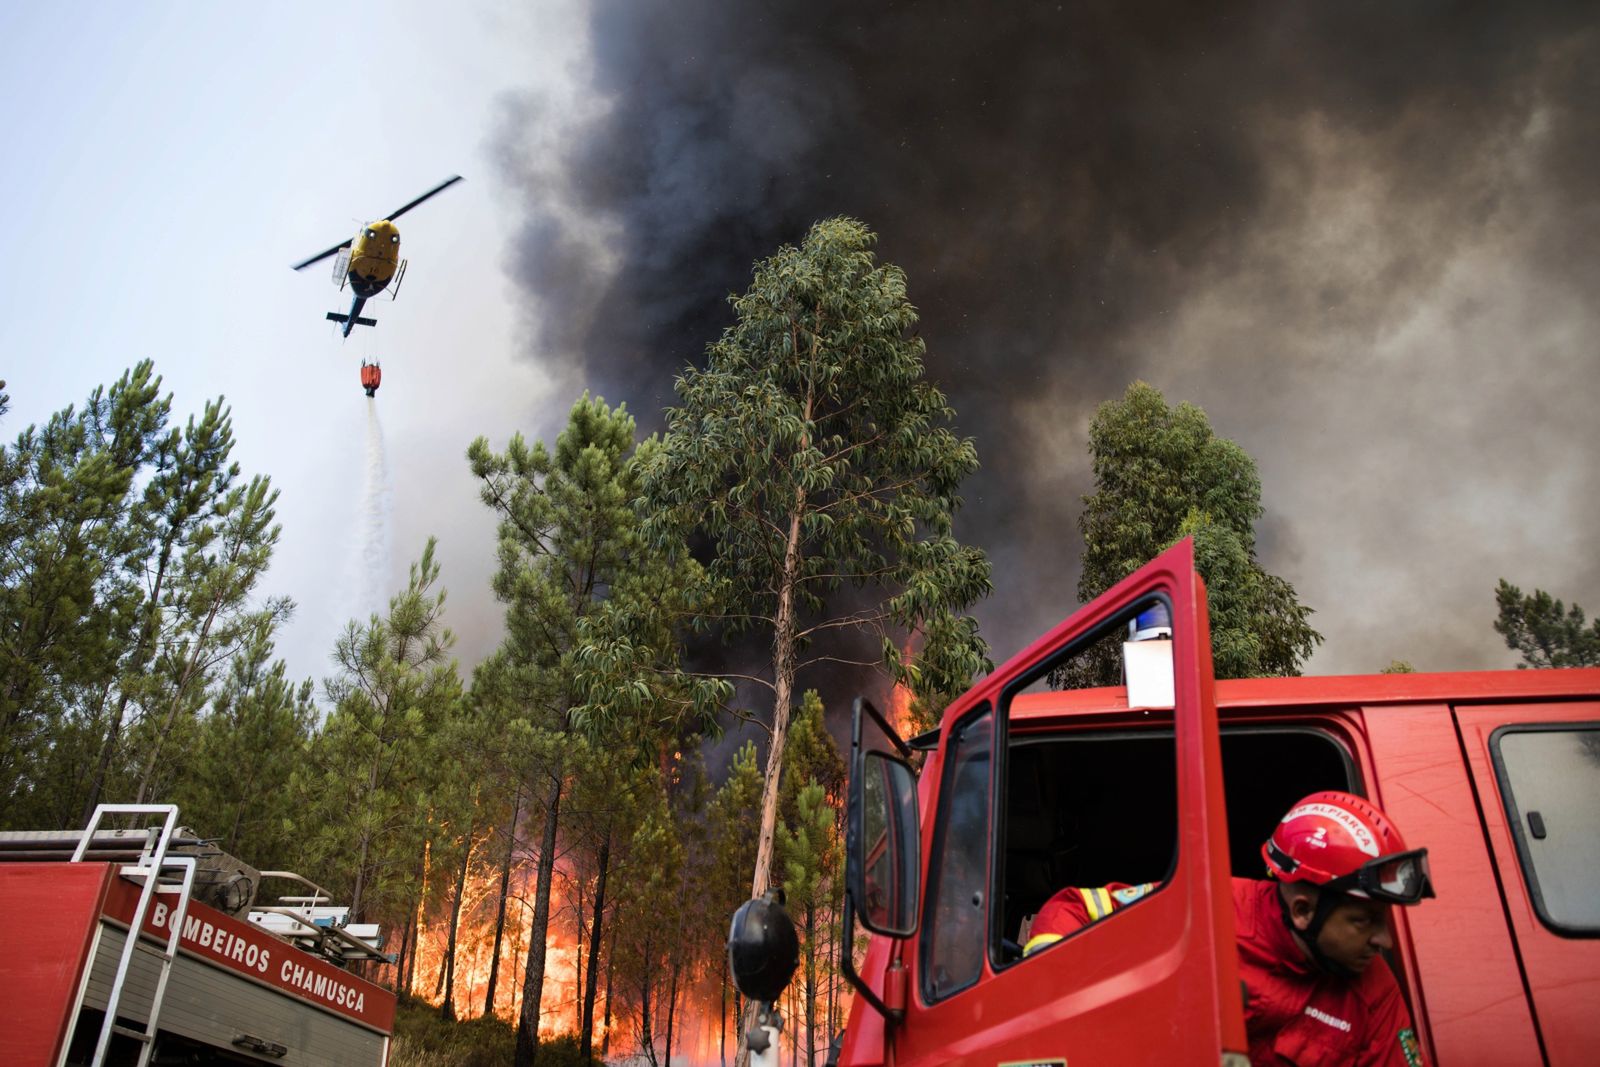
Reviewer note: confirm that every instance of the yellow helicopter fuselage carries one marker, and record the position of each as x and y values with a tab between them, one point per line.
374	257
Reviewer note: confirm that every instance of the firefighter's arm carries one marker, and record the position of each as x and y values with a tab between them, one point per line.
1061	915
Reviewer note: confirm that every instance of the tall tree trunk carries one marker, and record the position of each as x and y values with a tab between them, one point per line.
722	1014
783	668
191	667
448	1009
500	909
148	634
108	748
811	985
611	967
672	1002
365	846
403	959
533	977
645	1034
586	1031
833	944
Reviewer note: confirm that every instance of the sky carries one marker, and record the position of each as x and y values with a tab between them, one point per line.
1364	238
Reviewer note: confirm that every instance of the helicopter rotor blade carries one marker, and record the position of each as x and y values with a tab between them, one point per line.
320	256
441	187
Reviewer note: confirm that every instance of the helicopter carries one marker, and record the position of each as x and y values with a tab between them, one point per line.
370	261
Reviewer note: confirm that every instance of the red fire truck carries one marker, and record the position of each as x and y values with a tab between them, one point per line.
214	977
1042	777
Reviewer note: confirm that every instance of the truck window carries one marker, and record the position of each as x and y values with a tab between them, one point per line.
1550	781
958	874
1088	814
1087	808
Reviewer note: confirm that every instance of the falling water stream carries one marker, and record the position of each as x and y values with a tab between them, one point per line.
377	497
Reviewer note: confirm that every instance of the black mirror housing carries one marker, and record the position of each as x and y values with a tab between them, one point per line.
763	948
881	830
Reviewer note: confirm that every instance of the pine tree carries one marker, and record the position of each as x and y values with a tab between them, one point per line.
67	609
363	801
583	592
247	747
1544	631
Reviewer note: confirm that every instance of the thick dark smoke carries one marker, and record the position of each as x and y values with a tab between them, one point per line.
1366	238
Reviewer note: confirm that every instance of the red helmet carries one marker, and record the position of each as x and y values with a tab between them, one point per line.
1344	843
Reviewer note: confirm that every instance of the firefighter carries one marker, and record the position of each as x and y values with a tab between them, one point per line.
1309	938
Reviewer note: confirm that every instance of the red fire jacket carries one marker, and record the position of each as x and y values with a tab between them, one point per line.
1295	1014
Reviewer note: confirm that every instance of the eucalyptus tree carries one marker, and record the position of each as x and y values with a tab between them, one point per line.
1161	474
816	459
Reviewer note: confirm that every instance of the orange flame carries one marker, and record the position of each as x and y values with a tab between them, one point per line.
900	697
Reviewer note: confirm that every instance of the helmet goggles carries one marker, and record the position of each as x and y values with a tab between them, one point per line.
1400	878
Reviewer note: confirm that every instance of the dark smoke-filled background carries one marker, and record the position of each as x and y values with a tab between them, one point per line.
1364	237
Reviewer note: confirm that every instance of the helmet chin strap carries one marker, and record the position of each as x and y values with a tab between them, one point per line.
1327	900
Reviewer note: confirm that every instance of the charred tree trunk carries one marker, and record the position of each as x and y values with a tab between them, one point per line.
401	958
645	1032
811	985
447	1010
605	1042
722	1014
672	1002
533	977
500	909
586	1032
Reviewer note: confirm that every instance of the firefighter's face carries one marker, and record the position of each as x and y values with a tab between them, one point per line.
1355	932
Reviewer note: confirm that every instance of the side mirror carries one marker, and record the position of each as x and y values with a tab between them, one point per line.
763	949
881	833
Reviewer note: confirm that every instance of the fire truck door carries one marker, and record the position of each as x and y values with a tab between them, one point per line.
1156	982
1536	768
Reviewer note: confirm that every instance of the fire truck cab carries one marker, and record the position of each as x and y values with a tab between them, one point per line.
1045	776
212	976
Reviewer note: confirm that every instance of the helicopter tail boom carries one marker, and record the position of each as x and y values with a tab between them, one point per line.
353	319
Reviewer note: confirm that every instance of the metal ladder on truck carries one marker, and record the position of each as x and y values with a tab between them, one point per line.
148	871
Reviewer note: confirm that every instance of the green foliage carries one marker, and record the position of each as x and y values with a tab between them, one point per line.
733	833
816	456
1161	474
590	603
811	755
1399	666
591	648
243	754
808	847
66	608
363	799
422	1039
1544	631
817	461
125	590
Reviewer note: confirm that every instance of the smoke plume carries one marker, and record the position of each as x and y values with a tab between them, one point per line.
1365	237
